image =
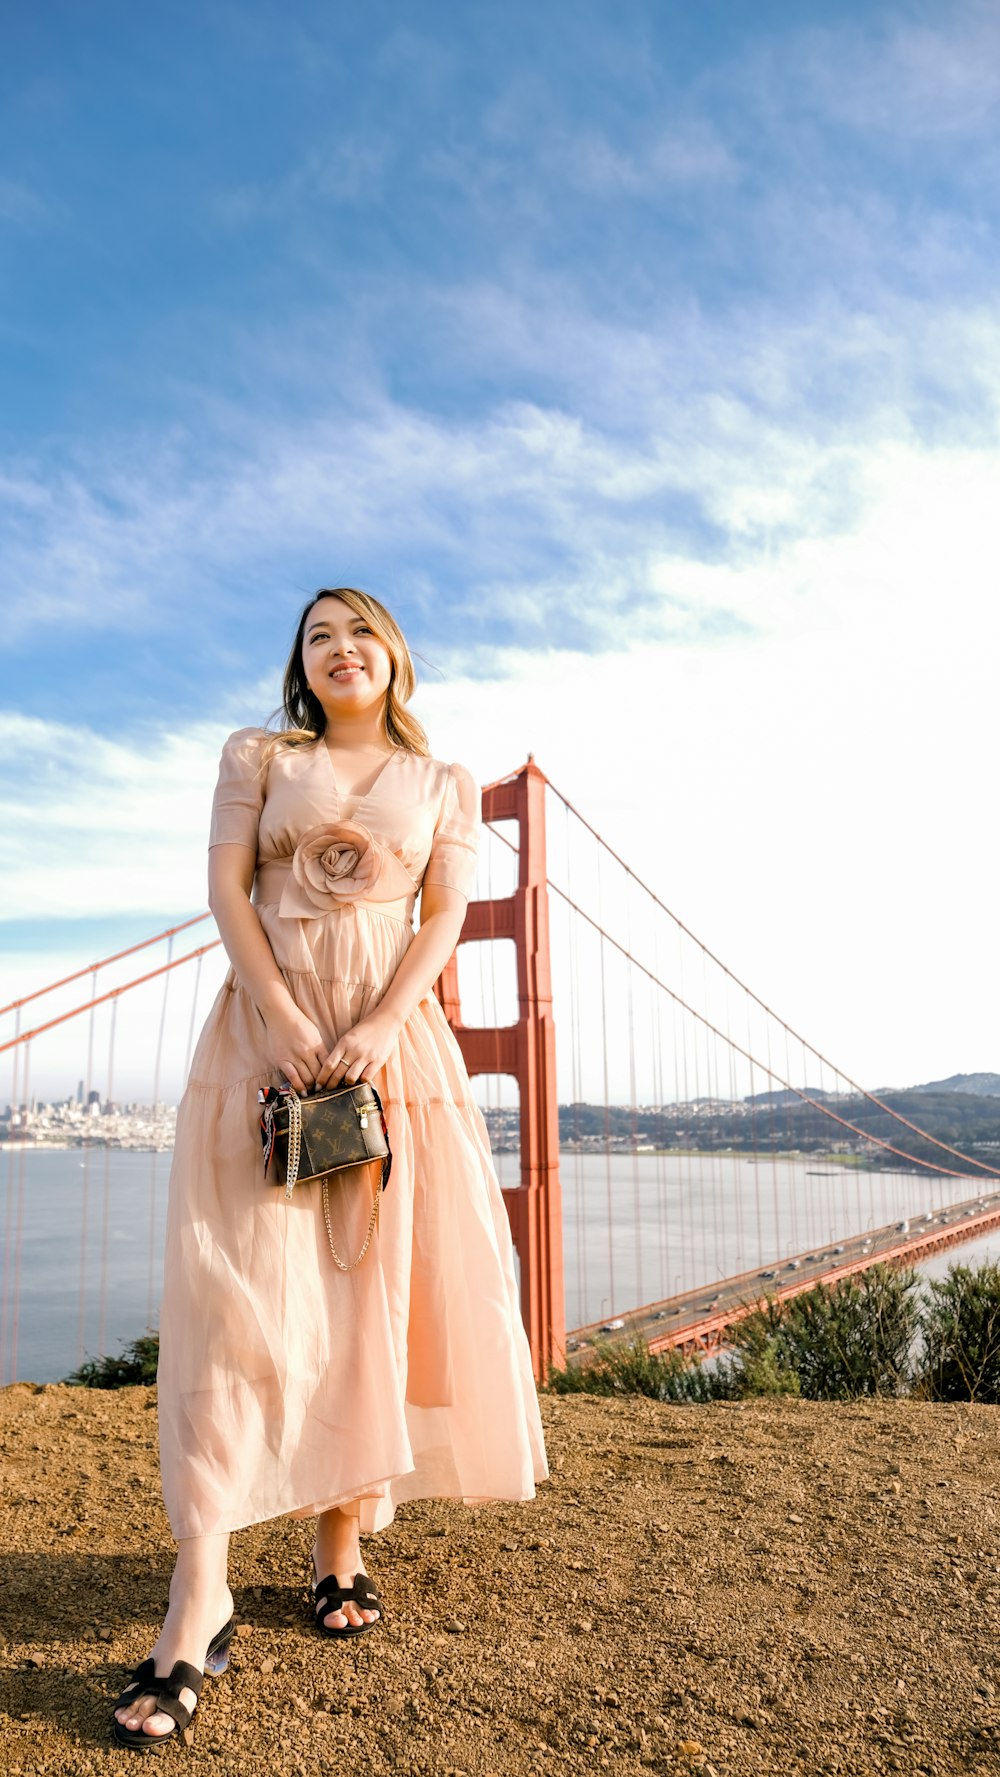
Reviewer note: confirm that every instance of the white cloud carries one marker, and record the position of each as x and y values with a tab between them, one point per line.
93	826
814	802
911	76
741	441
349	169
689	152
761	539
20	204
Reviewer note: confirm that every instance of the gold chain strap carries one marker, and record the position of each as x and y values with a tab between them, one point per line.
373	1218
292	1175
294	1143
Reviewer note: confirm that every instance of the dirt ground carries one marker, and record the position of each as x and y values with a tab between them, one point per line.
769	1587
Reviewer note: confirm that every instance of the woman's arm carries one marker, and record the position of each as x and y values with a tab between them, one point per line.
366	1048
294	1045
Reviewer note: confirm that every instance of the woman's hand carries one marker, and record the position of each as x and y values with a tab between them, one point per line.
360	1052
294	1045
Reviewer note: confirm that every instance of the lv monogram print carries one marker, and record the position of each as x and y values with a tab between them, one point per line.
333	1135
341	1127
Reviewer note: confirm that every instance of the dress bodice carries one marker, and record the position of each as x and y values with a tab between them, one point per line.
425	812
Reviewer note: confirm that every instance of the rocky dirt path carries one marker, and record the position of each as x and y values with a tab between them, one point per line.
764	1588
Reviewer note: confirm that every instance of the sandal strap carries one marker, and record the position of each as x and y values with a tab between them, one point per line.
331	1595
364	1593
144	1682
137	1684
183	1676
172	1706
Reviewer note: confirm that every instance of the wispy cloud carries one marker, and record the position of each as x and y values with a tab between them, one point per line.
916	72
653	375
523	430
688	154
19	203
741	441
122	830
775	788
565	156
350	169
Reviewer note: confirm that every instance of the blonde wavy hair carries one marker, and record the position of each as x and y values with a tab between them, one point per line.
304	719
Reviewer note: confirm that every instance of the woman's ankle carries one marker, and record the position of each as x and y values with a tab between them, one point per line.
337	1533
195	1592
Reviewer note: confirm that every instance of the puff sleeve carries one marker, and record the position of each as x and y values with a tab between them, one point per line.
239	793
452	862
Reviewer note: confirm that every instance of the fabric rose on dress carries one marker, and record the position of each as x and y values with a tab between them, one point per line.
337	864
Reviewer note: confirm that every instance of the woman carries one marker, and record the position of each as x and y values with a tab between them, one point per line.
285	1384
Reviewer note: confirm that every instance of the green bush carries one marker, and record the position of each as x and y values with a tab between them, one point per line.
961	1328
634	1369
137	1363
760	1366
839	1341
832	1342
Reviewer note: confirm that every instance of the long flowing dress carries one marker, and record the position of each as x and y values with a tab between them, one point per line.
284	1384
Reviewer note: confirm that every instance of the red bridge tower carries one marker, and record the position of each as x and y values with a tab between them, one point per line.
527	1051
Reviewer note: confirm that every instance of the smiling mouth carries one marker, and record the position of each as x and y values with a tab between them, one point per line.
345	672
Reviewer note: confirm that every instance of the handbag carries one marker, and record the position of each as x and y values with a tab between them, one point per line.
319	1133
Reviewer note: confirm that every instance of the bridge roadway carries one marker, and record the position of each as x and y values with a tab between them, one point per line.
697	1320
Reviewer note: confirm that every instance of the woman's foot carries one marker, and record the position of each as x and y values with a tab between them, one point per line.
192	1619
337	1550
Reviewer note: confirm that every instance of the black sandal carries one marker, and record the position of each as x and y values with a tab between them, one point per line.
145	1681
329	1595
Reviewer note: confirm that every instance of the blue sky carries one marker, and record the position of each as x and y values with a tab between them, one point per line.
646	349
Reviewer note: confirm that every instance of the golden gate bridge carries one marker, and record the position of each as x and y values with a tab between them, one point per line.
678	1190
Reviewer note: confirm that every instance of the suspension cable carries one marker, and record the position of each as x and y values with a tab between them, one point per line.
861	1090
27	1035
789	1029
40	992
866	1135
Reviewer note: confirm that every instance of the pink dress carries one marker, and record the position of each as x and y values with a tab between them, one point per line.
284	1385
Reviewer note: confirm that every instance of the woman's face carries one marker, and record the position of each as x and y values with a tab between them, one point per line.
346	666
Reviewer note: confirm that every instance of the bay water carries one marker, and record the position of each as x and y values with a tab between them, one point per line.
83	1235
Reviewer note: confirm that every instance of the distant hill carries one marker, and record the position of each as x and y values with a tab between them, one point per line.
981	1085
781	1095
956	1112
